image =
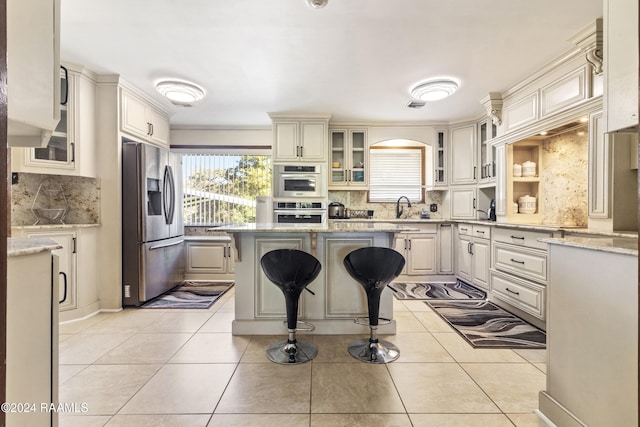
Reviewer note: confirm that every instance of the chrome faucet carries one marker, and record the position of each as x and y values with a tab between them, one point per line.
398	210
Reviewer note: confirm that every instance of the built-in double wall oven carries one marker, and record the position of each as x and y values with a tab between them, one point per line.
300	181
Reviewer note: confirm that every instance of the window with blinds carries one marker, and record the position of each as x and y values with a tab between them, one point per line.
222	188
395	172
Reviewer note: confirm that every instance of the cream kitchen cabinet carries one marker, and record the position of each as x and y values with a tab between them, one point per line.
487	130
445	248
518	274
33	74
611	178
209	258
71	149
474	254
349	157
297	139
463	156
78	290
440	159
419	250
32	338
140	118
620	64
463	202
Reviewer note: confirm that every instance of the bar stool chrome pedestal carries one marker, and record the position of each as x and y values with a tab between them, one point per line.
374	268
291	270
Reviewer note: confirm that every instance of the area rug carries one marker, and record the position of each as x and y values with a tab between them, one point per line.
485	325
190	294
446	291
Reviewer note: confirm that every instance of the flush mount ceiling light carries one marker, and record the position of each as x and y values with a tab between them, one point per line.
434	90
317	4
180	93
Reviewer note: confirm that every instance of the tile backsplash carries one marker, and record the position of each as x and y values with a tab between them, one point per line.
82	198
358	200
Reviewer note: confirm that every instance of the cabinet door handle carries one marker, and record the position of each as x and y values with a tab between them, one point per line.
517	237
151	124
474	173
471	248
73	152
64	282
474	203
480	231
301	151
75	245
463	229
517	261
409	243
445	225
510	291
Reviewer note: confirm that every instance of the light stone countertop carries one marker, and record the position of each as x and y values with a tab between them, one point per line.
18	246
364	226
52	226
618	245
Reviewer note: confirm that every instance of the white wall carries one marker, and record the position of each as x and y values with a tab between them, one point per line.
249	137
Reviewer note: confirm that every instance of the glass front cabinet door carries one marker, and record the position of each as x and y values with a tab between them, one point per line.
348	164
486	132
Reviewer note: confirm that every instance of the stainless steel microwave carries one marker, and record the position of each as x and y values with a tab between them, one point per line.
300	180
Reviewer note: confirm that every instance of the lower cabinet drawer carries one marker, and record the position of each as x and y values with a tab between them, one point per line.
527	263
527	296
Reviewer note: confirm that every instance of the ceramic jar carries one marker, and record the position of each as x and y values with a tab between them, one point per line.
517	170
529	169
527	204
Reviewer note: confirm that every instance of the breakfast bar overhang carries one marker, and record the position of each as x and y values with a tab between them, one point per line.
338	299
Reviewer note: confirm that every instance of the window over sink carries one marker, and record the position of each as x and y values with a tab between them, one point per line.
398	168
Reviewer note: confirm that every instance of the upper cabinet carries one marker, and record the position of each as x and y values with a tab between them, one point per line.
487	130
143	120
348	161
71	148
33	74
440	159
620	64
463	155
300	139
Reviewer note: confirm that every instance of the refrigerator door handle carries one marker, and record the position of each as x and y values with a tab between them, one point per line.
169	195
181	241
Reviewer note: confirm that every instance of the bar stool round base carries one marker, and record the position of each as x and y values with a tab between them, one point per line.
285	353
374	352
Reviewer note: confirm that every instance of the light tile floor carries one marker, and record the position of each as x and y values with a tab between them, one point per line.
149	367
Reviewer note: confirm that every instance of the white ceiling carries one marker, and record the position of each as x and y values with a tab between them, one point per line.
355	59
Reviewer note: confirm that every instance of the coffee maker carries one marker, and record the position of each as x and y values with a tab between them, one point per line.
491	212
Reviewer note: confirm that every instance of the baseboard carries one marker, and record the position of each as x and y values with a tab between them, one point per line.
555	413
89	315
79	313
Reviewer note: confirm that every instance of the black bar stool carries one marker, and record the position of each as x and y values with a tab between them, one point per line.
291	270
374	268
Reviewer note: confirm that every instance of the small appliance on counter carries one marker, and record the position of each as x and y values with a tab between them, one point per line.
491	212
336	211
425	214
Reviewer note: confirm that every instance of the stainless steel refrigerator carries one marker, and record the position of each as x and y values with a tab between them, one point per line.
152	225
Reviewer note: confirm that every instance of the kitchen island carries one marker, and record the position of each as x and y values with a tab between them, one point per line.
592	332
338	299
